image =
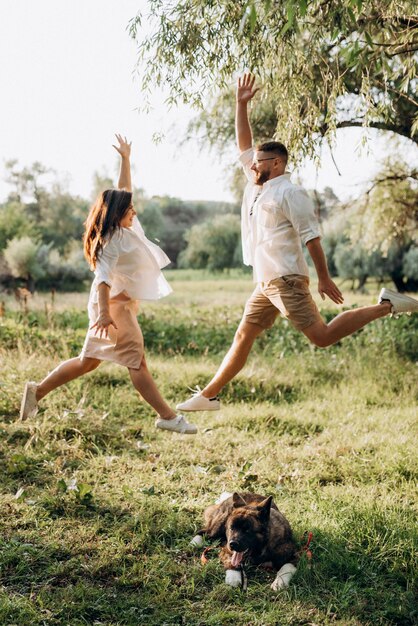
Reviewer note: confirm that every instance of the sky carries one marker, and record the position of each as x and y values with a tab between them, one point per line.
68	84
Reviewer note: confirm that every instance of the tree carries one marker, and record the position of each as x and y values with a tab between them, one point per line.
14	223
324	64
26	259
377	235
62	218
50	213
387	214
67	272
213	245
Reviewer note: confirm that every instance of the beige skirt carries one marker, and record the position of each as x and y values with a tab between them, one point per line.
124	345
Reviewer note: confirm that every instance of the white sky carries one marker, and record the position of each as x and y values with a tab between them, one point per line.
66	74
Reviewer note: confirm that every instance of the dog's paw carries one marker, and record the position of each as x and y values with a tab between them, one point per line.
283	577
197	541
233	578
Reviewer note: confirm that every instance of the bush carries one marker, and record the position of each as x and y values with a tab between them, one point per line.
214	245
24	257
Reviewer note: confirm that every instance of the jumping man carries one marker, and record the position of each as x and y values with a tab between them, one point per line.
277	218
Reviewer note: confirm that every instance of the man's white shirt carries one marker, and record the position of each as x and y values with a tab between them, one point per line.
283	217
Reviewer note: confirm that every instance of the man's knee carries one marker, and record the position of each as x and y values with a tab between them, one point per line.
320	342
247	332
318	335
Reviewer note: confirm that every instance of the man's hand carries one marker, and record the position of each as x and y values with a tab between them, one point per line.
245	88
102	325
327	287
124	148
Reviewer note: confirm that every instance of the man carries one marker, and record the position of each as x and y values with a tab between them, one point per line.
277	218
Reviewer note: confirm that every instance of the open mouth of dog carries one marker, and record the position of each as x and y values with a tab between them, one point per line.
238	557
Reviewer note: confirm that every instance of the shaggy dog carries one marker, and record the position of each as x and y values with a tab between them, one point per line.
250	528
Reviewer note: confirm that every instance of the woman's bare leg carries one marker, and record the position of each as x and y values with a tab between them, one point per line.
145	384
64	372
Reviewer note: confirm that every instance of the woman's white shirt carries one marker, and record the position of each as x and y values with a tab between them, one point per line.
131	263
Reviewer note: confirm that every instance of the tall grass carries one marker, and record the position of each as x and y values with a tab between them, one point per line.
97	507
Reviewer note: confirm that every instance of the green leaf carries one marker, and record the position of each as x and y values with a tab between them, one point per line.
285	28
335	34
303	5
368	38
247	465
85	491
62	485
291	11
253	17
351	15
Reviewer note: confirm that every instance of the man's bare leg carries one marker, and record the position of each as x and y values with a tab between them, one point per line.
346	323
235	358
319	333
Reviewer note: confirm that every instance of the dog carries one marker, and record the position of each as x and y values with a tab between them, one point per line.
251	529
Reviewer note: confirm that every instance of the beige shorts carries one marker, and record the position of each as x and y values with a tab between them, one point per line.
288	295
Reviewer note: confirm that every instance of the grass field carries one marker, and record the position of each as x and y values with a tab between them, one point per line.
98	508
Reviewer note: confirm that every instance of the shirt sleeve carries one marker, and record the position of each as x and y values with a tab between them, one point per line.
159	254
246	160
106	262
299	210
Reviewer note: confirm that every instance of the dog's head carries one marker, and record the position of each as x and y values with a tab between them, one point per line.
247	528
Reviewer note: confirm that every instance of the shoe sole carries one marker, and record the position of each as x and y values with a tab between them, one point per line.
23	404
179	432
180	408
406	299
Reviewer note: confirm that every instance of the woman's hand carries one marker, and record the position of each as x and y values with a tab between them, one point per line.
102	325
124	148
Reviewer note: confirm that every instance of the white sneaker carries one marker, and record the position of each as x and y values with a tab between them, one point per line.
177	424
199	403
399	302
29	405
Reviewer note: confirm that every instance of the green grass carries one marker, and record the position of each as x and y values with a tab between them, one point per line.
97	507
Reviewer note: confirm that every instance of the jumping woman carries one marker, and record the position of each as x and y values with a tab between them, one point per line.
127	268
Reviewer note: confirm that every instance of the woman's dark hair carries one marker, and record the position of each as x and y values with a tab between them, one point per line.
103	220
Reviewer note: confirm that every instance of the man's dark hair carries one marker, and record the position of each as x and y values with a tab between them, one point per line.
274	146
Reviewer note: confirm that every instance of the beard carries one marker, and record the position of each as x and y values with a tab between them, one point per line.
261	177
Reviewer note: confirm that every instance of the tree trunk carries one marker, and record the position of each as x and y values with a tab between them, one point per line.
30	284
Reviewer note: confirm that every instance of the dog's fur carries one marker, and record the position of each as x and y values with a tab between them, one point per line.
251	528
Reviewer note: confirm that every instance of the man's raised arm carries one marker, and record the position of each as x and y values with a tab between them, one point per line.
245	92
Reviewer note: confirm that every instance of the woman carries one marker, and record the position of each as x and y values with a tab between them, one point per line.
127	268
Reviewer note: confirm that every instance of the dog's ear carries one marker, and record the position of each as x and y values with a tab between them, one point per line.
237	501
264	507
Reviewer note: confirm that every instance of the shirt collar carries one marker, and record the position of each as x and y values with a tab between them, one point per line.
278	180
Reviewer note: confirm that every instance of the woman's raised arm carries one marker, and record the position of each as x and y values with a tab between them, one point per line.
124	149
